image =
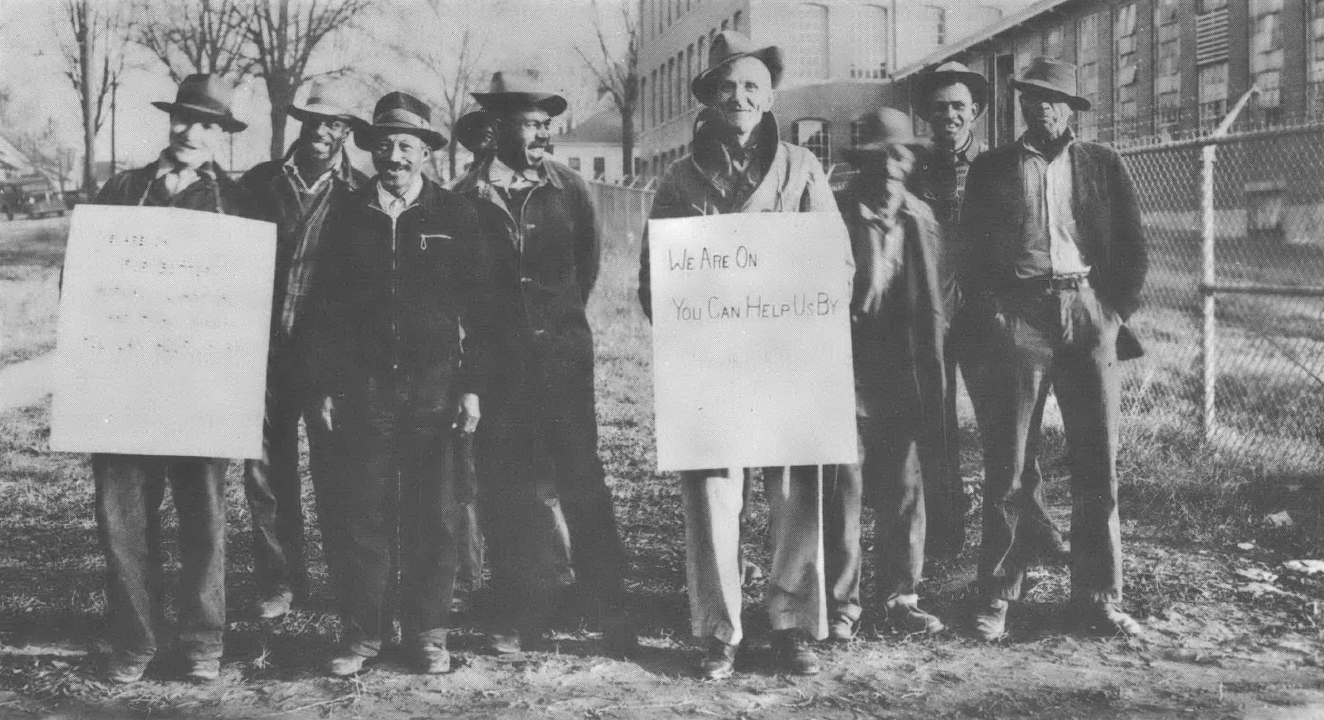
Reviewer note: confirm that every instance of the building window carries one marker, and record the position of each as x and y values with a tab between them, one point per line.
1315	91
1053	43
857	132
812	133
1124	109
1167	70
643	97
1266	58
699	57
870	33
599	167
1087	60
1213	94
1026	49
936	18
809	60
689	75
681	86
573	162
725	22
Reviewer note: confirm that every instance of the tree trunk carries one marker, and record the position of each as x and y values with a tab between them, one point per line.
450	155
627	142
85	53
281	95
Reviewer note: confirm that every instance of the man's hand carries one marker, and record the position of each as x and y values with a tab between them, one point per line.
329	413
870	281
466	415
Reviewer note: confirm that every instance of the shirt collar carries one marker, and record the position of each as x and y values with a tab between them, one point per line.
1057	146
339	169
502	175
166	164
385	197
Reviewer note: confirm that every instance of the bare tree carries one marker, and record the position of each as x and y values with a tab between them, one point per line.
194	36
283	40
94	58
618	77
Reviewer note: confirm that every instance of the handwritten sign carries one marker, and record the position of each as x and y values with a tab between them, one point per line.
751	341
161	343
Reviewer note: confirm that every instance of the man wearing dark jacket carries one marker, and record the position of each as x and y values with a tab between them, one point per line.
1058	260
130	488
296	193
538	451
897	330
404	315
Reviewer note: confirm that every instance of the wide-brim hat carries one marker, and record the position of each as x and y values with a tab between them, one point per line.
517	90
208	96
727	47
468	130
946	74
399	112
1054	77
880	129
326	100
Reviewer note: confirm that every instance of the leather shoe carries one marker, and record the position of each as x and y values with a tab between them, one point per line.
275	605
991	621
345	664
793	652
505	641
841	629
718	662
1107	618
434	659
203	671
122	668
909	618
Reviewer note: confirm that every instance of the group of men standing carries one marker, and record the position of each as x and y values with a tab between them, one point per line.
414	324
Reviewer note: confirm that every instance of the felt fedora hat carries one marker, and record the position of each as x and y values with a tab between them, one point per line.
880	129
946	74
471	127
328	100
728	47
399	112
1054	77
208	96
514	90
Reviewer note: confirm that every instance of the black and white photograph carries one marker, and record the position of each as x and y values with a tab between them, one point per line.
643	359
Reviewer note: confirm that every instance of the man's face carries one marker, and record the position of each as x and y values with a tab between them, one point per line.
321	138
525	138
399	160
194	139
1045	113
743	94
895	164
951	112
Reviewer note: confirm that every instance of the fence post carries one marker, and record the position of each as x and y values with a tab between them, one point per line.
1209	311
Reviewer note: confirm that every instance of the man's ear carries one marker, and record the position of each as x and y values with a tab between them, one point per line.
772	100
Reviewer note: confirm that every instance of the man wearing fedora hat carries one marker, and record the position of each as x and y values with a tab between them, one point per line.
296	193
1057	262
476	131
951	98
130	488
402	315
541	479
739	165
896	339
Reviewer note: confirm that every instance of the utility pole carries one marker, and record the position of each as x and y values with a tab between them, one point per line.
114	91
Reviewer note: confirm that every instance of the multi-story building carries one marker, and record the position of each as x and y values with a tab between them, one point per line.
1157	68
840	56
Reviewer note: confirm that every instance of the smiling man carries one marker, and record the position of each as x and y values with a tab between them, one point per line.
296	193
402	318
130	488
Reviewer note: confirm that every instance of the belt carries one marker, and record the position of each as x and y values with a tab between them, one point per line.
1048	284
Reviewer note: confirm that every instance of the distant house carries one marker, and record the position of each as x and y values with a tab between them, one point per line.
12	162
593	147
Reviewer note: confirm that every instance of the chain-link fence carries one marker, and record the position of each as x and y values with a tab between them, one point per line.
1233	314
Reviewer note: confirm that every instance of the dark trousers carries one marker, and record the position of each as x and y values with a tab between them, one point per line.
272	483
129	493
890	477
1064	341
403	443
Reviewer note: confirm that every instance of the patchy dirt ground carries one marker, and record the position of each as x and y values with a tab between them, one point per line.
1233	632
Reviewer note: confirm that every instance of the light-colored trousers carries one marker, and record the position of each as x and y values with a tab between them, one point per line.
796	596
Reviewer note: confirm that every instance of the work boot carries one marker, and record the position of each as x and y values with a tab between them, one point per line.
123	668
434	659
793	652
504	641
990	623
203	671
907	617
718	661
275	605
841	629
345	664
1106	618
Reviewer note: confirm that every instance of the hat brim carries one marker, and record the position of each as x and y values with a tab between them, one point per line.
705	83
1075	102
227	122
312	113
367	139
501	102
925	84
